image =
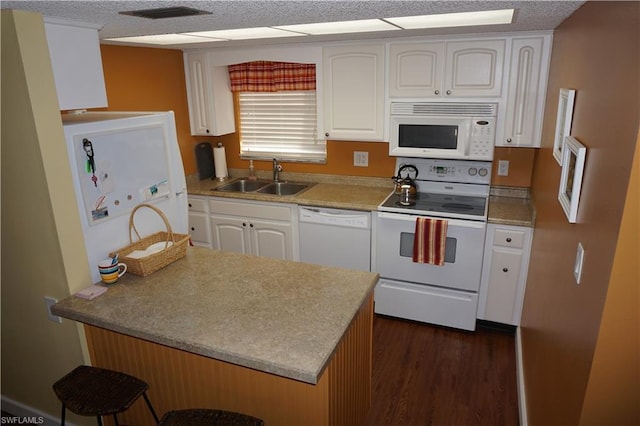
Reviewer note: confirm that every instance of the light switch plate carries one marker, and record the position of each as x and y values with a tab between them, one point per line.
503	168
49	302
577	267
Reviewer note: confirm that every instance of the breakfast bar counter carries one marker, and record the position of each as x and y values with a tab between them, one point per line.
284	341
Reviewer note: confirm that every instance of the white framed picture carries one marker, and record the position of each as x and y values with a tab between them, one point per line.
573	159
563	121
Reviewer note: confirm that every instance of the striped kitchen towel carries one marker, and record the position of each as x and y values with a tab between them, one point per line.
429	241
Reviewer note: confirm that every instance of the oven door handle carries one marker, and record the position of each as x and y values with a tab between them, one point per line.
452	222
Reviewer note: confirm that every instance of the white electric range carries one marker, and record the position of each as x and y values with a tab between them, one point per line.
455	190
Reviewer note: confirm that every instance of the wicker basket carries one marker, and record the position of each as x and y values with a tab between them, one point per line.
149	264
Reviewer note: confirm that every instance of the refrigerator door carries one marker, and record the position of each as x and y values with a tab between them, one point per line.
119	160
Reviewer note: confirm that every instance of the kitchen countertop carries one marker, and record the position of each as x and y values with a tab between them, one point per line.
353	193
280	317
511	206
507	206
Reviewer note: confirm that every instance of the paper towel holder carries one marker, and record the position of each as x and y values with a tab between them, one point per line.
220	163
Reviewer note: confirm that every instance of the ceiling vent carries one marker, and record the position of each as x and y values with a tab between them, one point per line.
166	12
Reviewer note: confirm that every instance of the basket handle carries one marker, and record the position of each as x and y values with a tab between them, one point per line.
132	226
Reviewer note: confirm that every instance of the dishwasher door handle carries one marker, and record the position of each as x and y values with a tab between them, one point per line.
335	217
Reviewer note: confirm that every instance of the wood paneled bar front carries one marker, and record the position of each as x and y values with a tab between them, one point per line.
288	342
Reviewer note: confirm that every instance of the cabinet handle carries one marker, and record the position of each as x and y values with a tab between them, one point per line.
244	224
505	269
326	134
251	225
207	131
193	229
448	92
509	140
508	239
437	92
190	205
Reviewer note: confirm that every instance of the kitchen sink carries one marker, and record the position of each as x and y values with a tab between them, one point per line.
283	188
264	187
243	185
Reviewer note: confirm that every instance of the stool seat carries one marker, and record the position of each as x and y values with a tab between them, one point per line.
92	391
205	417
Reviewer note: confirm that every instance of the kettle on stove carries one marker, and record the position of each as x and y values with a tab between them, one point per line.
406	183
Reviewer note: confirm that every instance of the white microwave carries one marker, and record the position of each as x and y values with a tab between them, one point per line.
464	131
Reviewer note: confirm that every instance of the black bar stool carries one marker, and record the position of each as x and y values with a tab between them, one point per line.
204	417
92	391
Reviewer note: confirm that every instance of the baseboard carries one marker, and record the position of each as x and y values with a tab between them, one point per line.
522	400
27	415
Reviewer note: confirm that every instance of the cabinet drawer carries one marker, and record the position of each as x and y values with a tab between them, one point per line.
262	211
509	238
197	205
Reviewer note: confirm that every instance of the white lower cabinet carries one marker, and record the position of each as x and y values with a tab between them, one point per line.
261	229
504	273
199	221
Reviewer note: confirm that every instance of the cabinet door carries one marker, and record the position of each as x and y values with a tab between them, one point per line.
230	234
354	92
474	68
416	69
74	49
525	95
199	229
271	239
209	96
503	285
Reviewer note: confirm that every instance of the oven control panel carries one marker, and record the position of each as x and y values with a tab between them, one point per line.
462	171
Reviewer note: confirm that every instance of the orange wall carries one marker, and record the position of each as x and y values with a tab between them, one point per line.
150	79
595	52
613	389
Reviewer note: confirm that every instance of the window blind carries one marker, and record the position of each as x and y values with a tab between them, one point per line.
280	125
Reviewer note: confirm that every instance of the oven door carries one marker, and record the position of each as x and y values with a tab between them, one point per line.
463	259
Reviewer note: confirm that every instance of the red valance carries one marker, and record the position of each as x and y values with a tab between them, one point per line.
265	76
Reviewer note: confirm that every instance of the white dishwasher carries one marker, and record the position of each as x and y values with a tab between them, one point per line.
335	237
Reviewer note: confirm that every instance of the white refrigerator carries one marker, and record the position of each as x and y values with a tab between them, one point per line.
119	160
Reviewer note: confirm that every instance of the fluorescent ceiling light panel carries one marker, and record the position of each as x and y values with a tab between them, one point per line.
164	39
463	19
342	27
246	33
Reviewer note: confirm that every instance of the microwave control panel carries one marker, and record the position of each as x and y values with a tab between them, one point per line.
483	133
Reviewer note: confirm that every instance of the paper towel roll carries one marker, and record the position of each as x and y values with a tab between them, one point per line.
220	162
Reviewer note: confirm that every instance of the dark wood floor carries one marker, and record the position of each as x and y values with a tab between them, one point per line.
429	375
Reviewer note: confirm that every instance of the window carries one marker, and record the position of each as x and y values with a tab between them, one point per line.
280	125
278	118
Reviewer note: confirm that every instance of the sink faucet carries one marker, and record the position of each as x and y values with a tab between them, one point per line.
277	168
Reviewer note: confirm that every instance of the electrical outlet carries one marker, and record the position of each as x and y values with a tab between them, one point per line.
49	302
360	158
577	267
503	168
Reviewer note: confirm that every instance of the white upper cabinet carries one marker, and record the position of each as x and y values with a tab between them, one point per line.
446	69
209	96
416	69
353	81
474	68
74	49
527	86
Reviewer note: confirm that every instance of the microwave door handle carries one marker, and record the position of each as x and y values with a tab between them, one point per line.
466	138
